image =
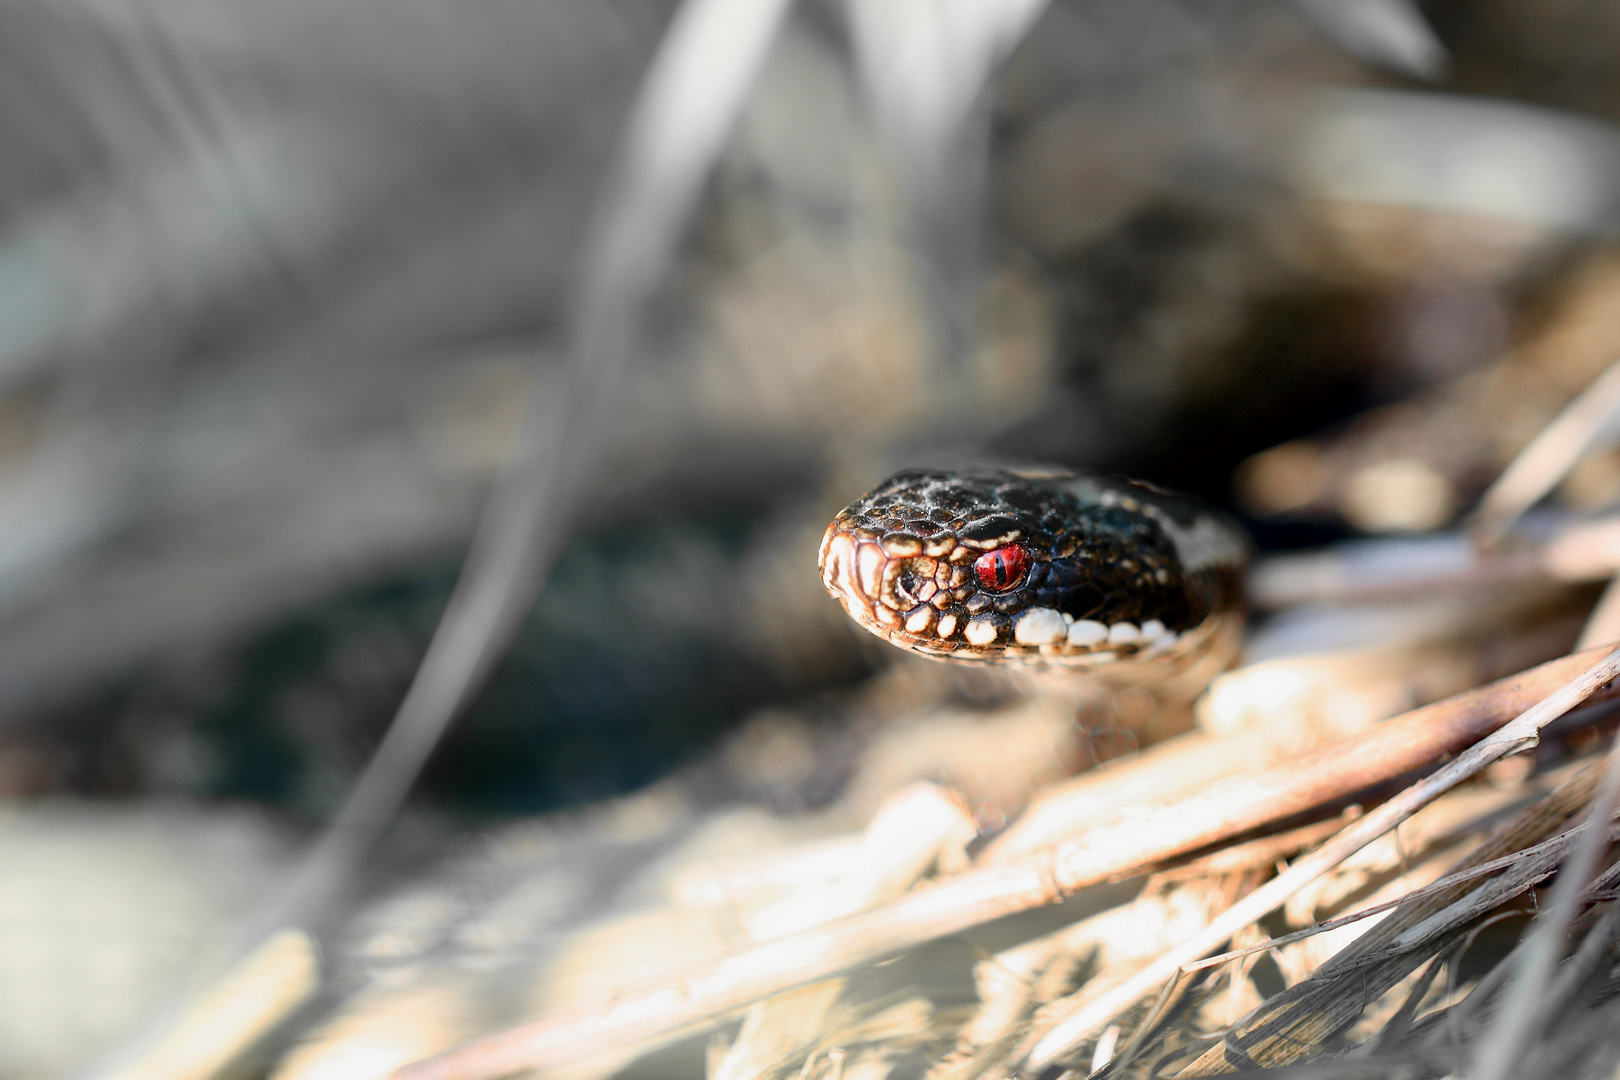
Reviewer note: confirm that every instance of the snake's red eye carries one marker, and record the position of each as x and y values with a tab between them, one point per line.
1002	569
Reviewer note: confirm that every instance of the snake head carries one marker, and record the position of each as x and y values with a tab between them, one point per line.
1048	571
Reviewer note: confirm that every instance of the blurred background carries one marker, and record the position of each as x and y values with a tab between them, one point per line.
277	279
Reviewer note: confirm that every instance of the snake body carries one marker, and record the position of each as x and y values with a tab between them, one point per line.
1048	570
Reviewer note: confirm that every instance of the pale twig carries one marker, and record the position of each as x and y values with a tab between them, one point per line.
1364	571
1547	459
925	66
1016	981
1360	571
1392	34
1522	1010
909	834
1174	988
271	983
1553	847
1289	1027
1263	852
1161	1005
925	61
1168	770
1603	624
1126	844
1090	1016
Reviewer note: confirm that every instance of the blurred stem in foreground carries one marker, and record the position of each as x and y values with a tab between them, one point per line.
927	67
683	115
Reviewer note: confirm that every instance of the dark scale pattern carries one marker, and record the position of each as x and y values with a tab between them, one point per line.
1099	551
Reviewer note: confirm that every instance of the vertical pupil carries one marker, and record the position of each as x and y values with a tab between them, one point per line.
1001	569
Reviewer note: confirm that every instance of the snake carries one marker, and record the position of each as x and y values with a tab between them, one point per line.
1040	568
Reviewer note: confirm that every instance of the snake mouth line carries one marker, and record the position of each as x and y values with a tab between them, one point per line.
922	602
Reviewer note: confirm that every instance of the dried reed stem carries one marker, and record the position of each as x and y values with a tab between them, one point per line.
1524	1007
1550	455
1293	1025
1091	1016
1127	844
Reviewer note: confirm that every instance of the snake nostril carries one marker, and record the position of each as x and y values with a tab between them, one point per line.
913	580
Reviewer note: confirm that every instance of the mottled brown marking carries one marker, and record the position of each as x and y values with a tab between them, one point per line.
900	545
921	620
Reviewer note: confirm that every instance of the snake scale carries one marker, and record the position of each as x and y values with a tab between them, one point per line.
1043	569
